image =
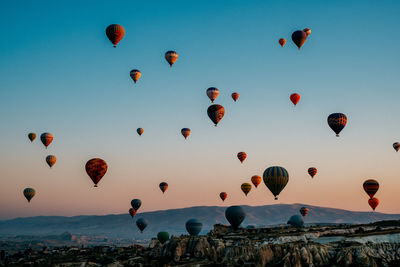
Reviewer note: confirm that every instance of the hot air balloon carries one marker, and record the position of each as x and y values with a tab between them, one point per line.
185	132
371	186
29	193
51	160
212	93
256	180
235	216
396	146
135	75
373	202
282	42
235	96
193	226
171	57
31	136
241	156
307	31
46	139
223	195
163	186
246	187
132	212
337	121
304	211
296	221
141	224
312	172
140	131
136	203
276	178
216	113
163	237
115	33
295	98
298	38
96	168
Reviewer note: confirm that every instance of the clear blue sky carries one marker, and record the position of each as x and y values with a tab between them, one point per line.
59	73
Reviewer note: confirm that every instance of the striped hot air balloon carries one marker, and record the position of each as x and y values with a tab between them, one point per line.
235	96
96	168
136	203
256	180
373	202
135	75
276	178
223	195
241	156
246	187
185	132
337	121
115	33
212	93
140	131
29	193
171	57
216	113
46	139
163	186
282	42
295	98
51	160
312	171
31	136
304	211
396	146
371	186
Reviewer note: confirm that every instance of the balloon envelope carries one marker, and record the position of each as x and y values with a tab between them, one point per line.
304	211
276	178
194	226
212	93
312	171
171	57
235	96
396	146
295	98
136	203
115	33
296	221
141	224
282	42
96	168
235	215
51	160
29	193
135	75
298	38
185	132
307	31
163	237
31	136
46	139
256	180
140	131
241	156
223	195
216	113
371	186
246	187
163	186
373	202
132	212
337	121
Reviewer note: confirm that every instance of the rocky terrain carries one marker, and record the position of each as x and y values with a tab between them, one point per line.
375	244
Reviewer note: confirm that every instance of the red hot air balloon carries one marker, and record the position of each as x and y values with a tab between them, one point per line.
304	211
171	57
371	186
242	156
163	186
282	42
299	38
46	139
235	96
295	98
185	132
256	180
312	171
115	33
132	212
51	160
216	113
212	93
223	195
373	202
96	168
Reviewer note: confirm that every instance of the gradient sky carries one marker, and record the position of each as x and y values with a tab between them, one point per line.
59	73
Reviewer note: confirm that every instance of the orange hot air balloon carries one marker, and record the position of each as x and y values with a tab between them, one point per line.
246	187
242	156
223	195
140	131
212	93
96	168
256	180
132	212
235	96
216	113
373	202
282	42
115	33
31	136
307	31
295	98
312	171
51	160
135	75
371	186
46	139
171	57
163	186
185	132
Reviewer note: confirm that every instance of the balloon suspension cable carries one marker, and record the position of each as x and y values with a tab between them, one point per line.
276	198
337	135
95	185
115	46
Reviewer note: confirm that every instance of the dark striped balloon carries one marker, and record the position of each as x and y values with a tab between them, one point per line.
223	195
115	33
246	187
241	156
135	75
51	160
396	146
212	93
185	132
235	96
276	178
373	202
31	136
171	57
312	171
216	113
193	226
140	131
371	186
46	139
304	211
29	193
136	203
337	121
299	38
96	168
163	186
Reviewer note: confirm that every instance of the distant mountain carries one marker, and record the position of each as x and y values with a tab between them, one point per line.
173	221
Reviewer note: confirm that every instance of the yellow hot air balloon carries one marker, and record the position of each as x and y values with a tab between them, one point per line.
246	187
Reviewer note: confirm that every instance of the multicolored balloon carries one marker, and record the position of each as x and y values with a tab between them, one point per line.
371	186
115	33
136	203
337	121
96	168
31	136
163	186
235	96
373	202
246	187
29	193
141	224
276	178
193	226
132	212
140	131
307	31
304	211
185	132
396	146
171	57
282	42
299	38
256	180
212	93
46	139
241	156
216	113
135	75
235	216
223	195
295	98
163	237
312	171
51	160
